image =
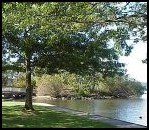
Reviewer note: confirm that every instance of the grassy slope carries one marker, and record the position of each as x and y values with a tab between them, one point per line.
43	117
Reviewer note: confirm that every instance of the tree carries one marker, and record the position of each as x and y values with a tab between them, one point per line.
4	79
144	61
41	34
19	81
7	78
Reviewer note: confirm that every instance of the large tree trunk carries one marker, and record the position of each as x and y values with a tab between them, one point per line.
29	89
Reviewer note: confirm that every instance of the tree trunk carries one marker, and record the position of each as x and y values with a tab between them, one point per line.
29	89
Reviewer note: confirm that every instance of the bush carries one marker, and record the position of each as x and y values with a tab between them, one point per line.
49	85
65	83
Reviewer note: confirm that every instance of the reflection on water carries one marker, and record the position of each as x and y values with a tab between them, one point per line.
144	95
124	109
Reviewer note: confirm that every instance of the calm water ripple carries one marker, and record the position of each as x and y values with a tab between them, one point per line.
123	109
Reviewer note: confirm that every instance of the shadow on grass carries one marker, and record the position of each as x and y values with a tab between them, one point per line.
43	117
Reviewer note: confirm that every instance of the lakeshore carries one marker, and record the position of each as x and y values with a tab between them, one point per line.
132	108
112	122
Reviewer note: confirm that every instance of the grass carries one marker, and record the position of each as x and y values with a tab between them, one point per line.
43	117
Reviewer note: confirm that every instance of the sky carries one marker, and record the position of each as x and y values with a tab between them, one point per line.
135	68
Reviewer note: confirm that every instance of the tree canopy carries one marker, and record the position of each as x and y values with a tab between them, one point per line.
76	36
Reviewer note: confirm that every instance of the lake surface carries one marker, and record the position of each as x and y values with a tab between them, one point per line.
123	109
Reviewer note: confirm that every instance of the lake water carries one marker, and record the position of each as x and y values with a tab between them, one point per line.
123	109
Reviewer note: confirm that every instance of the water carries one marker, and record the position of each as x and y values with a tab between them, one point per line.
123	109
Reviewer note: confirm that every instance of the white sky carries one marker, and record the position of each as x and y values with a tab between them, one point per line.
135	68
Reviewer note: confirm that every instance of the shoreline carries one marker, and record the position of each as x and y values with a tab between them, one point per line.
116	122
84	98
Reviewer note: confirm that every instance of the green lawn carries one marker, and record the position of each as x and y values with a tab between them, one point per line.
43	117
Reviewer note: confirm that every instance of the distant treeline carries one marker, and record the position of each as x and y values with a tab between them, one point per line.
70	85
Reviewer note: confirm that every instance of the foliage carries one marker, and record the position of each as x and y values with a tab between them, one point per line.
20	81
137	88
54	21
41	34
8	77
4	79
66	84
144	61
49	85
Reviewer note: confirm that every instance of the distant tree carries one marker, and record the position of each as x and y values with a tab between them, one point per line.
144	61
19	81
4	79
8	77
